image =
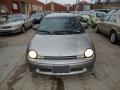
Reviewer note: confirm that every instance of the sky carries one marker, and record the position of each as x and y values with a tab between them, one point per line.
64	1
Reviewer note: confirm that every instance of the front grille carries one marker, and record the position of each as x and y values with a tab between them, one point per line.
60	57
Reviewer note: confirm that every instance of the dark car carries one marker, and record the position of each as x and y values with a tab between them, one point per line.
37	17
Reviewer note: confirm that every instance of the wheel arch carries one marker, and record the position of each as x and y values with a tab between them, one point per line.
112	30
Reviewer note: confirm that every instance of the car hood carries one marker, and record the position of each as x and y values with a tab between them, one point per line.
11	23
60	45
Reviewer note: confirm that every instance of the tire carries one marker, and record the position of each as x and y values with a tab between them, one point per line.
23	29
113	37
96	29
32	25
92	24
31	69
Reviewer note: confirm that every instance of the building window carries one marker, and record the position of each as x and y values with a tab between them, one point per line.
15	6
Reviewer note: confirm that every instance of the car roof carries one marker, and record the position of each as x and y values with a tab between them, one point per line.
59	15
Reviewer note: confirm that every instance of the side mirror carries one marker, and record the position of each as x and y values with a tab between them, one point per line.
35	27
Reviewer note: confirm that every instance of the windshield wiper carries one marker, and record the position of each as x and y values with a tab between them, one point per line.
43	32
66	32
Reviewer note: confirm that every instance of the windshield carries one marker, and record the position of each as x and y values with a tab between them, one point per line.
15	19
60	26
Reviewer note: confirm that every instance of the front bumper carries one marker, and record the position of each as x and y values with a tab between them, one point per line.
9	30
74	68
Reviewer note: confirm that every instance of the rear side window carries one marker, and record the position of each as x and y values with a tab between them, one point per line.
113	18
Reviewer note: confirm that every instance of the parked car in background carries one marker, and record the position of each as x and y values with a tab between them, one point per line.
118	12
103	10
74	13
112	12
96	17
84	15
3	19
111	27
37	17
60	47
16	23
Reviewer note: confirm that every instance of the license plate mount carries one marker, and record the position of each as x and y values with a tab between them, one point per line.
61	69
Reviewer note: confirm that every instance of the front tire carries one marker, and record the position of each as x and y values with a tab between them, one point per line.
23	29
93	24
32	25
113	37
96	29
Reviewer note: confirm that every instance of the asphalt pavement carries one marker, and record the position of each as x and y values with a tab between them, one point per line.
14	74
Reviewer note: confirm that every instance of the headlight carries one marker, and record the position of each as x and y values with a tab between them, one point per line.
88	53
32	54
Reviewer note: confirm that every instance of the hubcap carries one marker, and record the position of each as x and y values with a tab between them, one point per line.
113	37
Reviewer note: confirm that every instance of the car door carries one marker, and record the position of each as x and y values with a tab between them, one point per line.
27	22
102	25
118	26
111	24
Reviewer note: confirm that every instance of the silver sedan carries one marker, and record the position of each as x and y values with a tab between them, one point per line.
16	23
60	47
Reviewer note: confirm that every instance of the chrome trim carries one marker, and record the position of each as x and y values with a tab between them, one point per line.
70	73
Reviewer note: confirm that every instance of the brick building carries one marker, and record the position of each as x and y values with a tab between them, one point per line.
35	5
101	5
20	6
80	6
106	4
55	7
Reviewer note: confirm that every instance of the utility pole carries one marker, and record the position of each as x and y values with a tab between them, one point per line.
46	1
76	1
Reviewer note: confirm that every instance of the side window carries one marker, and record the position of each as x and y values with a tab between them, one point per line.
113	18
27	16
107	18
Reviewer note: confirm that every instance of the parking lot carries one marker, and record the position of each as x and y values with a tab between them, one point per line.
14	74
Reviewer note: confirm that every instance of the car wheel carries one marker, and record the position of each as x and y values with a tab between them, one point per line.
23	29
32	25
96	29
92	24
113	37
